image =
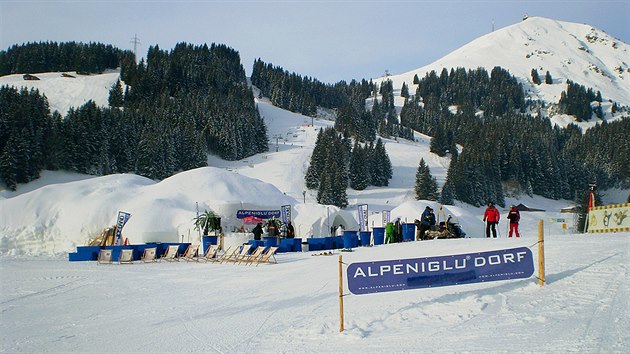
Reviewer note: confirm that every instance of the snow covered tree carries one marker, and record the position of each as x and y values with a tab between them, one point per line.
380	165
404	90
535	77
359	171
116	95
426	187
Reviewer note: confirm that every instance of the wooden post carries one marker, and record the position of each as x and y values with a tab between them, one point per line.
541	254
340	294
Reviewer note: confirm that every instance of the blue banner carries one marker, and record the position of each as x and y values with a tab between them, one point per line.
120	223
286	213
263	214
417	273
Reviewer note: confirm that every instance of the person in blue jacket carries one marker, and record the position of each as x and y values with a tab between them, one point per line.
427	221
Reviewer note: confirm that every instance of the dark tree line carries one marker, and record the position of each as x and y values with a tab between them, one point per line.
176	107
304	94
507	149
25	128
530	155
168	112
576	101
66	56
296	93
202	91
336	164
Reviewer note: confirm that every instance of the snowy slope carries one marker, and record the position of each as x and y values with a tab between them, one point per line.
66	92
569	51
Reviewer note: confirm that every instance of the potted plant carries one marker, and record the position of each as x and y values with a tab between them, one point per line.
208	221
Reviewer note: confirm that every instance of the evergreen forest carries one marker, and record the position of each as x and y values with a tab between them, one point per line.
176	107
166	113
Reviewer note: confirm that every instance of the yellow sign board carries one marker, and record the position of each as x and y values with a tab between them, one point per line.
609	218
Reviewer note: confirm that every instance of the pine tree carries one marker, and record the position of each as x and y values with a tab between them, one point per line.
359	173
116	95
9	164
426	187
548	79
404	91
535	77
380	165
313	173
439	144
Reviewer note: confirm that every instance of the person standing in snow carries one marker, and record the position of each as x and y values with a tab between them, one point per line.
389	232
290	230
427	220
339	231
514	216
258	231
398	237
491	217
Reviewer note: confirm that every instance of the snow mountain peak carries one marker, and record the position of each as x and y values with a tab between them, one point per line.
569	51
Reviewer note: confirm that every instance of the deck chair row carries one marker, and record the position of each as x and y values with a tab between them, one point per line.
238	255
150	255
242	255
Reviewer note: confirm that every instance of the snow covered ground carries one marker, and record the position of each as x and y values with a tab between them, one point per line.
51	305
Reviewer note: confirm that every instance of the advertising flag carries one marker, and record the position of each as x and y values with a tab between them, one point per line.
363	217
385	217
120	223
286	213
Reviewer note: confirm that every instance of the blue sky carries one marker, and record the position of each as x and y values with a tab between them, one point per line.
327	40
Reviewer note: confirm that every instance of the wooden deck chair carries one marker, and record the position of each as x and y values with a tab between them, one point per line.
237	256
190	254
126	257
211	254
148	256
171	253
258	252
104	257
267	256
227	254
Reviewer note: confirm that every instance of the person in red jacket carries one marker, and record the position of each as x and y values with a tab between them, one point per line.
491	217
514	216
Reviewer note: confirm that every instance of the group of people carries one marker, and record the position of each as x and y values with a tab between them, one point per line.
393	232
491	217
272	230
427	222
448	228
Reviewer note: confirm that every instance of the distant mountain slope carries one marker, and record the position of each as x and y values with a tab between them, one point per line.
576	52
66	92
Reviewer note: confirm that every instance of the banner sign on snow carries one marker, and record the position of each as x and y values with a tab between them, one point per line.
417	273
385	217
363	217
263	214
286	213
120	223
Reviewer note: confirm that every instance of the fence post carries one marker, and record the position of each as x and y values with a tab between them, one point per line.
340	295
541	254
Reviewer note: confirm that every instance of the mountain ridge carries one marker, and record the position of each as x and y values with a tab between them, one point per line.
569	51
